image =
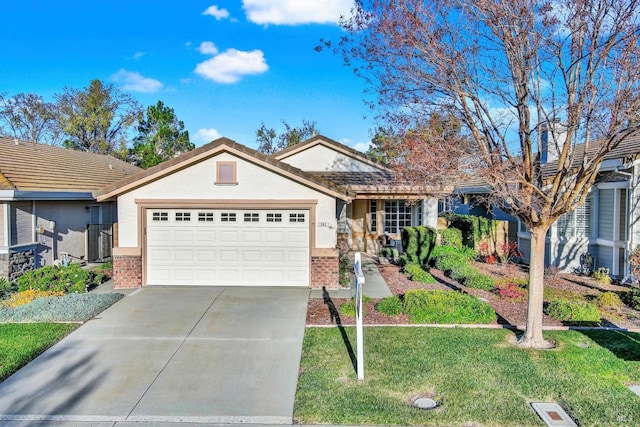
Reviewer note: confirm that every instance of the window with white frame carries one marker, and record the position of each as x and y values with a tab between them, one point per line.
397	215
576	223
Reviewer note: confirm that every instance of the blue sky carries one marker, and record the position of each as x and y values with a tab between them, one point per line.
224	66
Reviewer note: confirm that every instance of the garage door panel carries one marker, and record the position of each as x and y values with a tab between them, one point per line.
256	249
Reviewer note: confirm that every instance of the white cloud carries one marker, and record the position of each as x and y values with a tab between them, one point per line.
293	12
138	55
208	48
206	135
231	65
363	147
216	13
134	81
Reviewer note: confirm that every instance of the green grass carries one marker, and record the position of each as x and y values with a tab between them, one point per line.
476	375
22	342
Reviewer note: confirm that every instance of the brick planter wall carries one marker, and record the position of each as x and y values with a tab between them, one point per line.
324	272
127	272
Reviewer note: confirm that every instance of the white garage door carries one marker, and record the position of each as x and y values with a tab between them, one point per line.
227	247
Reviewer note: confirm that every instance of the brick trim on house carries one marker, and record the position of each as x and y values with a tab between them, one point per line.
325	272
127	272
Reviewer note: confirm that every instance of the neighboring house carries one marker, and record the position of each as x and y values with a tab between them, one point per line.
607	225
225	214
48	207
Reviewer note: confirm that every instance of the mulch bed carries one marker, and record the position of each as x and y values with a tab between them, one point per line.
326	311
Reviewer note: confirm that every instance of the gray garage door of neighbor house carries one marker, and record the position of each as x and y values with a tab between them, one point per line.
227	247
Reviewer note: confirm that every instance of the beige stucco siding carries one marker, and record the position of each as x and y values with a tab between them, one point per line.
320	158
254	183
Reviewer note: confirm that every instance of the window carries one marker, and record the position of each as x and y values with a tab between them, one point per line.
205	216
251	217
226	173
274	217
228	217
576	223
373	217
183	216
296	217
160	216
397	215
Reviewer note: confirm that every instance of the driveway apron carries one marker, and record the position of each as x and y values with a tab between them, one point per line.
171	354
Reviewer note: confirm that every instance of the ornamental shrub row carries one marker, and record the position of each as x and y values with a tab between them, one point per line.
474	228
423	306
574	311
68	279
455	264
418	274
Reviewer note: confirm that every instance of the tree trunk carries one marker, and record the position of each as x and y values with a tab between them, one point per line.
532	337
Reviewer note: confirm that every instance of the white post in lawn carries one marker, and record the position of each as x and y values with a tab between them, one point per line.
357	269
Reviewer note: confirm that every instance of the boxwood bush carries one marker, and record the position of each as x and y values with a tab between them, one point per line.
423	306
455	264
451	237
573	311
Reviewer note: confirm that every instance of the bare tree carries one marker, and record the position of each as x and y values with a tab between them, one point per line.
28	117
270	141
505	69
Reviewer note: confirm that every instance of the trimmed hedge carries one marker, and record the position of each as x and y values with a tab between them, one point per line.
632	298
474	228
423	306
417	243
418	274
451	237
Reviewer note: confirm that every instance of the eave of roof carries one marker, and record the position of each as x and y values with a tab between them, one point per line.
214	148
330	143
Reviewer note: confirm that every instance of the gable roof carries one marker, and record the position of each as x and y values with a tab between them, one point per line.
331	144
212	149
28	166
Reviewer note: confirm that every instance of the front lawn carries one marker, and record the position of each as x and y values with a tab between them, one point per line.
22	342
475	375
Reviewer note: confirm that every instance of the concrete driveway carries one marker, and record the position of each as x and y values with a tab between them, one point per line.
170	354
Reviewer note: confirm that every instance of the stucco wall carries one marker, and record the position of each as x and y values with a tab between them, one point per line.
321	158
254	183
69	233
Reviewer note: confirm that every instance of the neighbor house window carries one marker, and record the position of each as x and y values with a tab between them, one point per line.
397	215
576	223
373	217
226	173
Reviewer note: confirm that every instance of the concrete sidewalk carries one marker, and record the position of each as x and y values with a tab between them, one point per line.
374	284
169	354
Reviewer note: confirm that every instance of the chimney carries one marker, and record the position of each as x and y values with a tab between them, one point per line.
553	135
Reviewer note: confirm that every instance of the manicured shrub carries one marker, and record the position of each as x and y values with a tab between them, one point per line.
69	279
473	228
418	274
601	275
573	311
391	306
6	288
426	243
410	243
478	280
423	306
609	300
67	308
451	237
349	308
632	298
